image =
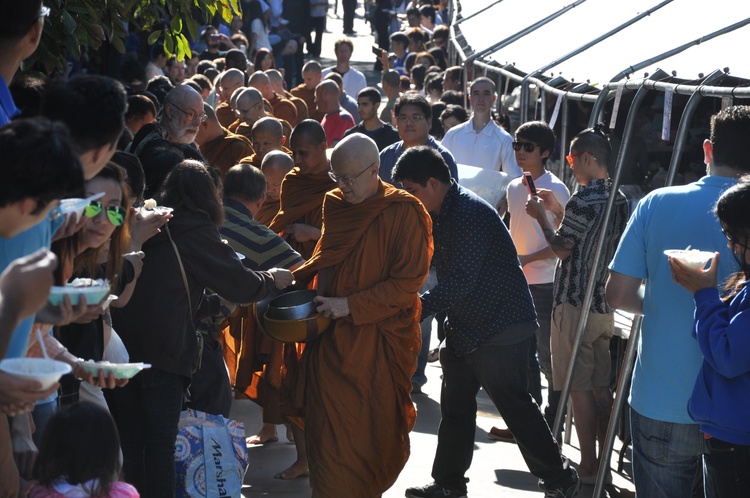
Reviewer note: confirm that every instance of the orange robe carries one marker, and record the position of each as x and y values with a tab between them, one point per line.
225	151
302	112
301	200
302	92
255	161
225	114
284	109
357	374
268	211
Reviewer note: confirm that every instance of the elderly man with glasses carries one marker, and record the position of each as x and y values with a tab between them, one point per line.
370	261
413	117
178	120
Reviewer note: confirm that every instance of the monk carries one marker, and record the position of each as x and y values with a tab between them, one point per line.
267	135
275	166
221	148
255	360
372	258
312	74
277	84
300	218
229	81
281	107
249	109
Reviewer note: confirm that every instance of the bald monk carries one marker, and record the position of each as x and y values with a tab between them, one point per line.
229	81
300	218
281	108
275	166
268	135
221	148
255	361
277	84
249	109
372	258
312	74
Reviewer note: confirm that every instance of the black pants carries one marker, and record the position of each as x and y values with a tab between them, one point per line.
317	26
349	8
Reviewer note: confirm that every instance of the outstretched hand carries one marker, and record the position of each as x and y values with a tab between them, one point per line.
332	307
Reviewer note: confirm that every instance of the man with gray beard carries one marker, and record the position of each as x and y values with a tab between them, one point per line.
178	120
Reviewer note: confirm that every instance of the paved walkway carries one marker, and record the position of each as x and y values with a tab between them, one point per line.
497	469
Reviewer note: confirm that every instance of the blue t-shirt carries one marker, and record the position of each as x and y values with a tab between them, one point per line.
8	108
389	156
668	357
37	237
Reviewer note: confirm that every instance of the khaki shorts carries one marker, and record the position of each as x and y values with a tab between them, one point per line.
593	363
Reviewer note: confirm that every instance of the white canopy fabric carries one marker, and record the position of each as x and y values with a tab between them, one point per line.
676	23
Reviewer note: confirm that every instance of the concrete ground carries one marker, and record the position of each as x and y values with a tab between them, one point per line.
497	469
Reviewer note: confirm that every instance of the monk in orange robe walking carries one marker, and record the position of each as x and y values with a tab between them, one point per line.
372	258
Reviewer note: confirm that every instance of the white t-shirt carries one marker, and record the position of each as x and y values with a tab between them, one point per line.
525	231
491	148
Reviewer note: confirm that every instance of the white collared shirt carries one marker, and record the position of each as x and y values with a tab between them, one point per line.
491	148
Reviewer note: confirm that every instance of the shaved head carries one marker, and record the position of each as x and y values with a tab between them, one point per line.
327	96
229	81
269	125
355	161
275	166
276	79
260	81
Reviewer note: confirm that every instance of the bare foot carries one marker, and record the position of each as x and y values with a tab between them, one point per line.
289	433
267	434
296	470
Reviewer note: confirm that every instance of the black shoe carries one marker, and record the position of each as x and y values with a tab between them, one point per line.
434	490
570	491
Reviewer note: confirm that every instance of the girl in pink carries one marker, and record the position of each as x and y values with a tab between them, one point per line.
79	456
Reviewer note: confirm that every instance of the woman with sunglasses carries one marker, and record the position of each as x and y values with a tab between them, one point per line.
157	326
97	251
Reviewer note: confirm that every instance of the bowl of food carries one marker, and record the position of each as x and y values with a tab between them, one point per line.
291	317
120	370
46	371
692	258
93	289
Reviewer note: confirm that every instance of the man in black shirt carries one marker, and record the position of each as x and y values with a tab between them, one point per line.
489	331
368	101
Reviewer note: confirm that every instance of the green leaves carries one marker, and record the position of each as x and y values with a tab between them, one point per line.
74	24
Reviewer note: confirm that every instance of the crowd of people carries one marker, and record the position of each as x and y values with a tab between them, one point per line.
214	187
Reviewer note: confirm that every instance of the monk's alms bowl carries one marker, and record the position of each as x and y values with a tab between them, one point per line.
291	317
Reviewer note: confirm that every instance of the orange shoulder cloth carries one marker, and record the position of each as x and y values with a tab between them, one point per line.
300	194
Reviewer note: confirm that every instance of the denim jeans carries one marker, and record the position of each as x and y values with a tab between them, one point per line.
665	456
420	378
726	470
147	411
503	373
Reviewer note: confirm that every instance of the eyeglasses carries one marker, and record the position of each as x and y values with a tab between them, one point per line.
572	156
191	115
115	214
414	119
527	146
345	180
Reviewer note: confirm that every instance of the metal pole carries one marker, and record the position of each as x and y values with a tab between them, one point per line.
623	382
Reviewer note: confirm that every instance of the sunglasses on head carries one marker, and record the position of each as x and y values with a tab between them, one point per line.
527	146
115	214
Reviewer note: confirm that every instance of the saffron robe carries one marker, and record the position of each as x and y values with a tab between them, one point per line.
302	92
284	109
225	151
301	201
357	374
225	114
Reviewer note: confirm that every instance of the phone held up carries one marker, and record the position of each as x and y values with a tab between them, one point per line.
529	183
377	50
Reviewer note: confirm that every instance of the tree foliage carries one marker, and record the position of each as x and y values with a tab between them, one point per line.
73	24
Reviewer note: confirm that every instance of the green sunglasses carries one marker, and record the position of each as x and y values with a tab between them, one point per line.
115	214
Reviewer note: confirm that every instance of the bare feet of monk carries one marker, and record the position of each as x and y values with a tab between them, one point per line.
296	470
267	434
289	433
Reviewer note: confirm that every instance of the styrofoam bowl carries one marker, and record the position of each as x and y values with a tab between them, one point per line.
43	370
693	258
94	291
120	370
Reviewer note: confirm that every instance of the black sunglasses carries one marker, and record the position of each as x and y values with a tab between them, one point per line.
527	146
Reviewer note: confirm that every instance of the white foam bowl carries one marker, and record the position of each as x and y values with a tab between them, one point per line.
43	370
94	293
693	258
120	370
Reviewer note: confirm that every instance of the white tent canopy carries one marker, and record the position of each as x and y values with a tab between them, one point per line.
670	26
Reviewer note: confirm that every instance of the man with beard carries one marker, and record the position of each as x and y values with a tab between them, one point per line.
178	120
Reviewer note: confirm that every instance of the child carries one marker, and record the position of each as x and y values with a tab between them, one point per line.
719	402
78	456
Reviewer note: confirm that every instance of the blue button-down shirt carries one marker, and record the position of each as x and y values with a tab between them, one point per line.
480	281
390	155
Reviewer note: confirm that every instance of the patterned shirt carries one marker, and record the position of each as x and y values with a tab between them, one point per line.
480	282
582	224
